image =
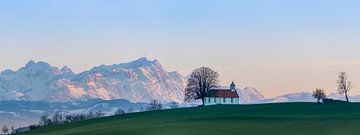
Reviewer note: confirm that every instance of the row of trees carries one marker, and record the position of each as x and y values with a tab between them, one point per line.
60	118
344	87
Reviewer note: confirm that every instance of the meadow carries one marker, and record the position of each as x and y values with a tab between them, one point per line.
262	119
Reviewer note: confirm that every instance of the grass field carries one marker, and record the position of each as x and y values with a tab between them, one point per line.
265	119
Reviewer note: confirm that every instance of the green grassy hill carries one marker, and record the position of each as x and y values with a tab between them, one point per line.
265	119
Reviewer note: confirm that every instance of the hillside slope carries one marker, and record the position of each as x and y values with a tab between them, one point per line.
269	119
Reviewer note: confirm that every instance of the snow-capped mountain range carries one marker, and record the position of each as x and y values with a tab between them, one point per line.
138	81
40	88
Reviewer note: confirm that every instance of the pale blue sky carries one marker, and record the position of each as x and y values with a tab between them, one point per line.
277	46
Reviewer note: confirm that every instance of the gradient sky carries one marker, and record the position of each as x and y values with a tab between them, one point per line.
276	46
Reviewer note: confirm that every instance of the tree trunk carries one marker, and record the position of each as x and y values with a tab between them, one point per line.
318	100
347	98
203	101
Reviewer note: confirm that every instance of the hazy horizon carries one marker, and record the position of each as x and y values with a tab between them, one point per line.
278	46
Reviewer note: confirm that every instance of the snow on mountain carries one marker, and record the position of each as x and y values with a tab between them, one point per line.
250	95
138	81
294	97
337	96
307	97
35	81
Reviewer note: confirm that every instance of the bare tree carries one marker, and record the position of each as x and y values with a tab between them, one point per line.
4	129
45	120
99	114
154	105
90	115
200	82
58	117
174	105
319	94
344	86
119	112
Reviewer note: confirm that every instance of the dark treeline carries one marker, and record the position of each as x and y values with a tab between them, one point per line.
60	118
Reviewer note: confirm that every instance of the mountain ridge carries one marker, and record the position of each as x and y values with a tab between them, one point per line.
139	80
